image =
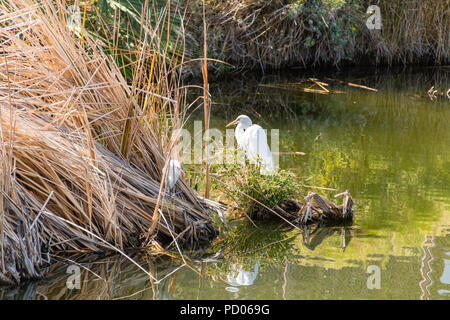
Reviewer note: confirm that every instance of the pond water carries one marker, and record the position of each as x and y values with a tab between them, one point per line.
389	148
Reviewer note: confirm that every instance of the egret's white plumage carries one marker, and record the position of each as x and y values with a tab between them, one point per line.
173	173
253	140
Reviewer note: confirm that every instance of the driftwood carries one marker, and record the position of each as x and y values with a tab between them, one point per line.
317	209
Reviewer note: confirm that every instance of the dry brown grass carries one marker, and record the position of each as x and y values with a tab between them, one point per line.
83	151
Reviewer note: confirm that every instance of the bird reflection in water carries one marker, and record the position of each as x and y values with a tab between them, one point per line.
240	277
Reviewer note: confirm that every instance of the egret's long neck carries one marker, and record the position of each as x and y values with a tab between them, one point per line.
239	133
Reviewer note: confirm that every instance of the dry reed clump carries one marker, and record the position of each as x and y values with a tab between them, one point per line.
258	34
83	152
412	32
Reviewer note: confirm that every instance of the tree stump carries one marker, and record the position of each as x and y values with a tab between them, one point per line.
317	208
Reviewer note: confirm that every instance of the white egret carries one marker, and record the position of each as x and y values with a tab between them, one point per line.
253	140
173	173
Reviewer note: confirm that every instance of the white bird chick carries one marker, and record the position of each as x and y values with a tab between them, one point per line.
173	173
253	140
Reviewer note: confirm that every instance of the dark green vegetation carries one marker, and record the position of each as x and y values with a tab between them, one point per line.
258	34
127	28
282	33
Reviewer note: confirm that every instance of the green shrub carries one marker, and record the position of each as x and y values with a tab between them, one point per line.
255	193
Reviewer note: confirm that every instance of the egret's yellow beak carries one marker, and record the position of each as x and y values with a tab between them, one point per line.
232	123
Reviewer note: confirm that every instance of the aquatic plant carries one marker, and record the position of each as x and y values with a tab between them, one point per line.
255	193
